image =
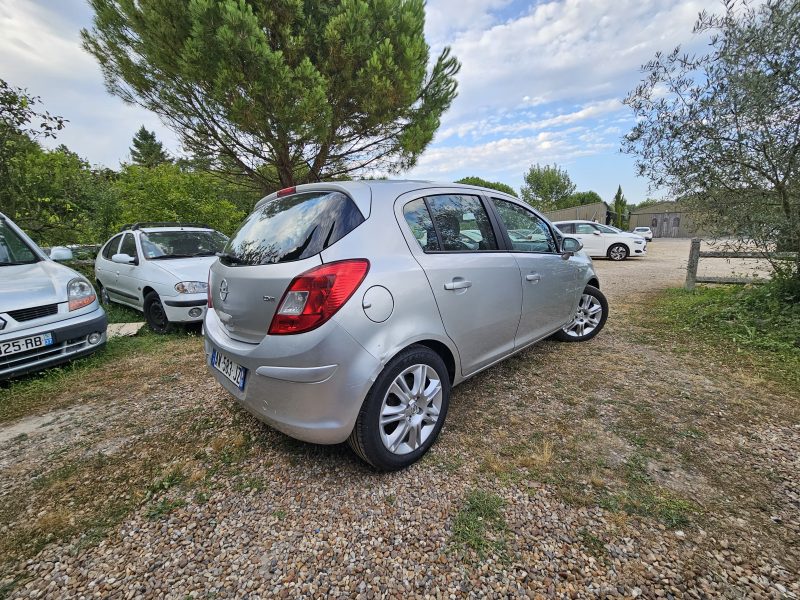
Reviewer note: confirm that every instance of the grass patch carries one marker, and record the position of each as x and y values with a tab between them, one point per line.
36	392
480	525
760	321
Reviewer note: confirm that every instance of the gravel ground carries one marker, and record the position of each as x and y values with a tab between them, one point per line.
259	515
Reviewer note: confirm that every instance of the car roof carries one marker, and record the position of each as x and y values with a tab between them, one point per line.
576	221
152	229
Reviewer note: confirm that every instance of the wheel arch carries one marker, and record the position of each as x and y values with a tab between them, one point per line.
594	282
444	353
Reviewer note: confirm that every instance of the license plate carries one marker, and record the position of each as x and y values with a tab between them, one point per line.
25	344
236	373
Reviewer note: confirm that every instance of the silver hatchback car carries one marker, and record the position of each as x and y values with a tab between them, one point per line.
348	311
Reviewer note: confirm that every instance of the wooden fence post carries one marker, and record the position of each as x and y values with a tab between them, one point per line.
691	268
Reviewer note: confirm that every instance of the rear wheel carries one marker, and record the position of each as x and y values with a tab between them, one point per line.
590	317
155	314
404	410
618	252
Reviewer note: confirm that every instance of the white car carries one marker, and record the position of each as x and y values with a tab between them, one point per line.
160	269
645	232
604	240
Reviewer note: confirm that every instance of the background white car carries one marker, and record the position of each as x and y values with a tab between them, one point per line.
160	269
604	240
645	232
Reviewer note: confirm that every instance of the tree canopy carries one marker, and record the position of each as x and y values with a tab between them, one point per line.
581	198
721	130
547	188
493	185
146	150
284	92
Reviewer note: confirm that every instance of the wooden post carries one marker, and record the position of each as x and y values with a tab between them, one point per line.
691	268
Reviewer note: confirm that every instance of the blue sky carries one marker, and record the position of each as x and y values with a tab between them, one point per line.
541	82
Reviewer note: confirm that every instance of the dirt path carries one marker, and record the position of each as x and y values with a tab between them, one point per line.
620	467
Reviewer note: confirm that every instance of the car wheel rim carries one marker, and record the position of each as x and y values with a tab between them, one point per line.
618	253
410	409
587	319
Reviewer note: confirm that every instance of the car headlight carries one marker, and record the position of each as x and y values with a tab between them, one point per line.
191	287
638	241
80	293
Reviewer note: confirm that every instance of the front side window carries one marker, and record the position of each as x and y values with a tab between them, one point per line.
608	229
159	245
527	231
461	223
292	228
128	245
111	247
584	228
13	249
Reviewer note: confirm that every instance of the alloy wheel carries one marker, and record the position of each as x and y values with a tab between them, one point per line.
410	409
586	320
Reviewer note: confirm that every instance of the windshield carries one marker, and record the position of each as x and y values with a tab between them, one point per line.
157	245
292	228
13	249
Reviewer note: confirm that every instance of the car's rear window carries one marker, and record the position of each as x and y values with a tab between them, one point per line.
292	228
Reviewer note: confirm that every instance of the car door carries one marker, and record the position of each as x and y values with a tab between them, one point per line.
104	269
591	238
548	280
128	283
475	283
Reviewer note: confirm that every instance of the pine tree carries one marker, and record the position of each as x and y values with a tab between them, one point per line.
147	151
620	206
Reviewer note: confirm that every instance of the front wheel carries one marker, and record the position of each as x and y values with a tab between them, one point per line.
102	294
404	410
590	317
618	252
155	314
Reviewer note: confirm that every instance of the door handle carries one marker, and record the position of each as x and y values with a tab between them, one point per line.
533	277
460	284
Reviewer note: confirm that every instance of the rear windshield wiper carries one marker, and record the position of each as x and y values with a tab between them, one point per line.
232	259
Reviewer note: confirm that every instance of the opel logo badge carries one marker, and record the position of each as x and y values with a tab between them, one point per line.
223	289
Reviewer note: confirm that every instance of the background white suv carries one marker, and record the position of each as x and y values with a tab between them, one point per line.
160	269
604	240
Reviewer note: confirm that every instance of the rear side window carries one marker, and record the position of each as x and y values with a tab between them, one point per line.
293	228
566	227
450	223
111	247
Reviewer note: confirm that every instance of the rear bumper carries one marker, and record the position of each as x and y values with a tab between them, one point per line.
309	386
71	341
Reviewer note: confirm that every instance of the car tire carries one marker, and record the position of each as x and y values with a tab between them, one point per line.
155	315
587	323
102	294
618	252
392	431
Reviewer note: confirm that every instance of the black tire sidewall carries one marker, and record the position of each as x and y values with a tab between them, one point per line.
367	427
563	336
102	294
149	300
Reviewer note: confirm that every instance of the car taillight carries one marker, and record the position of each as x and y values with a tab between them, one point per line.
208	291
286	192
314	296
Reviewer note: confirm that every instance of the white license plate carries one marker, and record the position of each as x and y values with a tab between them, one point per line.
25	344
236	373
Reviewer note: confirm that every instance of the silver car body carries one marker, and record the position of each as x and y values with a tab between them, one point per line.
34	303
473	308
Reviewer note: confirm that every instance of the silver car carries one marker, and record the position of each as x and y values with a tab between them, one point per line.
348	311
49	313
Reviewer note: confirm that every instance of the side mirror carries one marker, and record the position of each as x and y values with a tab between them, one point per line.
595	232
569	246
61	253
123	259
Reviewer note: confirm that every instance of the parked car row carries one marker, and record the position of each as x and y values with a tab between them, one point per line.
338	311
